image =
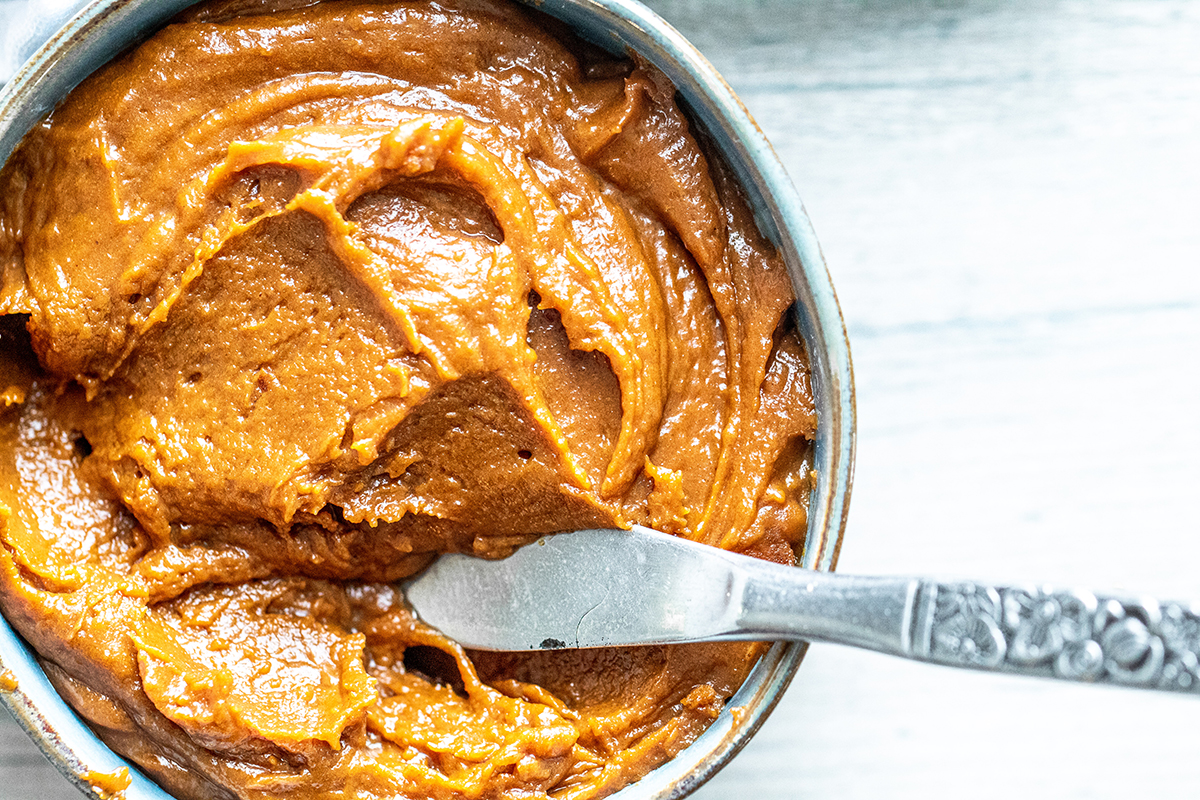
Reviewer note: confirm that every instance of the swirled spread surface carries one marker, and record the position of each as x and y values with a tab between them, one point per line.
296	297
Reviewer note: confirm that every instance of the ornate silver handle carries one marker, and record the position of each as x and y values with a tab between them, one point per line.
1046	632
1071	635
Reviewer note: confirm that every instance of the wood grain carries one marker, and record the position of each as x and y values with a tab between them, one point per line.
1008	196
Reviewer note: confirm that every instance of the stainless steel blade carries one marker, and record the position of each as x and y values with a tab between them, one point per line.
590	588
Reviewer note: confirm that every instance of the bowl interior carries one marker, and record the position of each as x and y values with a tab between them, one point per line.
104	28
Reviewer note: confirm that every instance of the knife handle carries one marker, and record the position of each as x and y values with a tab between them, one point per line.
1039	631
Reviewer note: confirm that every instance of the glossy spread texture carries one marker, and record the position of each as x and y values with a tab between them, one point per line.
317	292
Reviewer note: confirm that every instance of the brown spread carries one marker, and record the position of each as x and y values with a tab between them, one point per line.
109	785
295	297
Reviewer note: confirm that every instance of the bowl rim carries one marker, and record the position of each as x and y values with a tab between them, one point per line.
103	28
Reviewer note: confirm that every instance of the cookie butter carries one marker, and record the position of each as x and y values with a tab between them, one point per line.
296	296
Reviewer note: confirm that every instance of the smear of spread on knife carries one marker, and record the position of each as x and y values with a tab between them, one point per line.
295	297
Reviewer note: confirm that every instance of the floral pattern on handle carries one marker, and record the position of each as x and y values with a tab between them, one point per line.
1074	635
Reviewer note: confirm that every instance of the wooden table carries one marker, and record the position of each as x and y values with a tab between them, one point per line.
1008	196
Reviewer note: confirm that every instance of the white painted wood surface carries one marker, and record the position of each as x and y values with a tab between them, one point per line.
1008	196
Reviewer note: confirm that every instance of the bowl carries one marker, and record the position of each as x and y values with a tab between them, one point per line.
104	28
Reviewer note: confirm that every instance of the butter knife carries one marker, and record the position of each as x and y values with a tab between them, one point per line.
607	588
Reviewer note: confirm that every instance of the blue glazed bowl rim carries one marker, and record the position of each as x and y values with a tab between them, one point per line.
104	28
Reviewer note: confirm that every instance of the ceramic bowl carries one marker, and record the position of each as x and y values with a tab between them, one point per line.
104	28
